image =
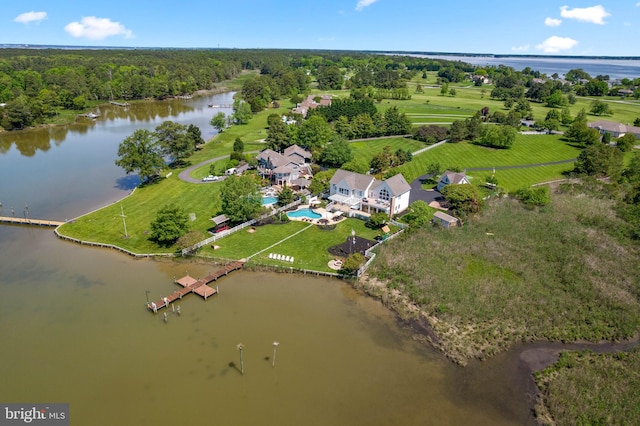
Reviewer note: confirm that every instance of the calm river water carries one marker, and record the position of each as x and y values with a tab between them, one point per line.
74	327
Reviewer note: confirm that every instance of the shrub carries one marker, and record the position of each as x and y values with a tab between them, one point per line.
531	197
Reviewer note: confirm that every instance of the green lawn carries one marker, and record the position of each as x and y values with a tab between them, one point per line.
527	149
309	247
364	151
106	225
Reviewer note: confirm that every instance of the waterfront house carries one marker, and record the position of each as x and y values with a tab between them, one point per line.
452	178
365	193
292	165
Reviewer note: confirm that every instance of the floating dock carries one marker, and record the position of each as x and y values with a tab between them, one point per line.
193	285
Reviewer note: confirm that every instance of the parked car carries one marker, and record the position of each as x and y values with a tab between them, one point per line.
210	178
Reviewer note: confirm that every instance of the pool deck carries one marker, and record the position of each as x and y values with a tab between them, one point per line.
331	216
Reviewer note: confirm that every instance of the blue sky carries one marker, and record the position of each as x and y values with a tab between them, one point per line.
546	27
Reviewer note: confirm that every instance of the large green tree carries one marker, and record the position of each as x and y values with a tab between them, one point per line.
314	133
329	78
241	112
174	140
219	121
501	136
140	153
240	198
336	153
171	223
465	199
599	160
195	135
419	214
278	136
599	108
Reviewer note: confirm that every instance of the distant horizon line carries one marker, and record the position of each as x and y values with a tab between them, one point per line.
399	52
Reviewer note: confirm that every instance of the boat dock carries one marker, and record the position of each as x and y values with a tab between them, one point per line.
28	221
193	285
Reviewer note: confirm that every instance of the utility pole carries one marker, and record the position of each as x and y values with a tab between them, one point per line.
126	235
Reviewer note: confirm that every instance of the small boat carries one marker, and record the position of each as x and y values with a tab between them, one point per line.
93	116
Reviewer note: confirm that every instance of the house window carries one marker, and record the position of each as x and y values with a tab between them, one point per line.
343	191
384	194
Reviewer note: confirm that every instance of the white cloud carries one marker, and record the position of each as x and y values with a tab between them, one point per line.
555	44
520	48
593	14
32	16
96	28
364	3
552	22
638	4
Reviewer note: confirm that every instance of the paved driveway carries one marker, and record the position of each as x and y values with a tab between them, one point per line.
417	193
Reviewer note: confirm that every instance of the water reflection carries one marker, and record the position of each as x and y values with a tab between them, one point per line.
30	142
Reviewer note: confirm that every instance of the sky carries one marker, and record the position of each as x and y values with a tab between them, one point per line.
543	27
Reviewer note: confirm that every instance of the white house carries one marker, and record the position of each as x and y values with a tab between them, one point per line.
454	178
365	193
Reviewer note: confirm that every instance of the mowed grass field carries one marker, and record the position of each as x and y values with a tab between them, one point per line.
307	243
526	150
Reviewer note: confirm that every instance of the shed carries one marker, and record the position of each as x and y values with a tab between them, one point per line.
445	220
219	220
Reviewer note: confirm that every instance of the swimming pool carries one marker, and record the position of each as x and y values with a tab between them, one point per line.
305	213
267	201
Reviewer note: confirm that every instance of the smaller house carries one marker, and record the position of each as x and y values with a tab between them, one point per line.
310	103
616	130
445	220
452	178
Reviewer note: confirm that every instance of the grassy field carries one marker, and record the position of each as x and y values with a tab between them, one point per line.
309	247
527	149
513	274
106	226
590	389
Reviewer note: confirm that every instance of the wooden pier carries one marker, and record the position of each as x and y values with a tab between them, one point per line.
120	104
28	221
193	285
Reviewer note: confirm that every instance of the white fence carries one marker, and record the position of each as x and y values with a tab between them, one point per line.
370	255
226	232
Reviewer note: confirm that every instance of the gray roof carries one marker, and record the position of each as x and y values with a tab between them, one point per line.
354	180
611	126
443	216
219	219
398	184
453	177
292	154
295	149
